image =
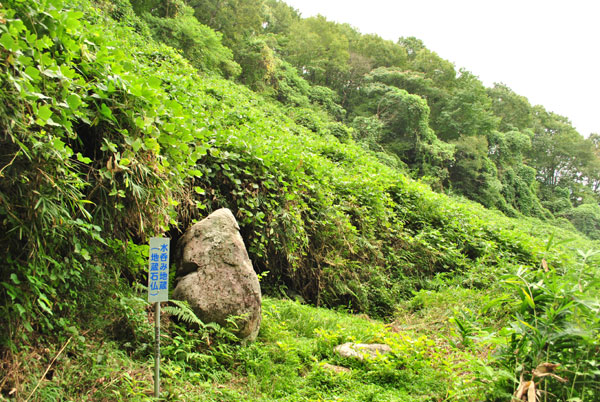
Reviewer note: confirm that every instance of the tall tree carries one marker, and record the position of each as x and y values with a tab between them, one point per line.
412	45
514	110
279	17
562	159
558	151
467	111
591	171
235	19
173	23
381	52
441	71
474	175
403	127
319	50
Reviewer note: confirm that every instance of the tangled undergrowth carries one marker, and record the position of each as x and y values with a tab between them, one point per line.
108	138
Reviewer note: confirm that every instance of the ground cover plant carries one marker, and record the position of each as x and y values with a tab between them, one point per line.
109	137
291	361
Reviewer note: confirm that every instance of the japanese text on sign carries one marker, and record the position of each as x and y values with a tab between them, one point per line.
158	273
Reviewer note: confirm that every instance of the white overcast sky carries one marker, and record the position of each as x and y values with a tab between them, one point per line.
547	51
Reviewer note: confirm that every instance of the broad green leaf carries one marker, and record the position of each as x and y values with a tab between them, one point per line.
43	43
74	101
154	82
137	144
108	145
83	159
44	113
33	72
106	112
7	41
72	21
17	26
52	72
85	254
58	144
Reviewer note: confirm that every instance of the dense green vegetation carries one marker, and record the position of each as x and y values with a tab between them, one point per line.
120	121
488	144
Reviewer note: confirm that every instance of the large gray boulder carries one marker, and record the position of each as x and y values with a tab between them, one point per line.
215	275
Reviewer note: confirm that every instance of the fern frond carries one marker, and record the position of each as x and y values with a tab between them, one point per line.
184	312
139	288
196	357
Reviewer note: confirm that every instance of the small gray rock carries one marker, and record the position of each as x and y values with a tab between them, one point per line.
361	350
336	369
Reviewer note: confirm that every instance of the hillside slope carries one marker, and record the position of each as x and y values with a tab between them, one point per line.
109	138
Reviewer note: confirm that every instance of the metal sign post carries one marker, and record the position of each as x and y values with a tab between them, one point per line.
158	291
157	350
